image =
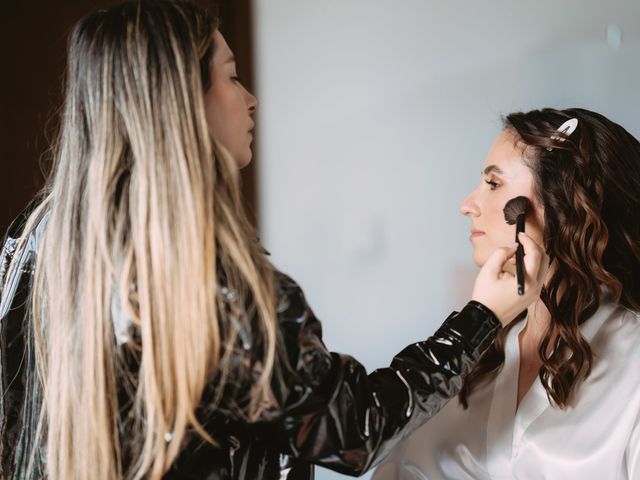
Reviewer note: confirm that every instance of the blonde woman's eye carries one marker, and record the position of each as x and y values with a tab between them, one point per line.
236	78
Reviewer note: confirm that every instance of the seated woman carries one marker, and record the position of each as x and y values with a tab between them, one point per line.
558	395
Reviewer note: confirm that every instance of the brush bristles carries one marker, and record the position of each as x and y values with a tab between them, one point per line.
514	208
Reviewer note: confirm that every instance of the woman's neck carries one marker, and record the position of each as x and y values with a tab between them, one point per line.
538	318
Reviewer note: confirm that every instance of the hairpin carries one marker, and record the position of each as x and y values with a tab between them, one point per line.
566	129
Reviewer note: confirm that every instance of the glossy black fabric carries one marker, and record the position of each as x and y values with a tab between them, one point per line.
325	410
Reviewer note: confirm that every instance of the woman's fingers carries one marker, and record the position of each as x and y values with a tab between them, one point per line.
496	286
498	258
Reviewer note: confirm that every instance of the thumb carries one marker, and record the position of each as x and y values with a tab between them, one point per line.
498	258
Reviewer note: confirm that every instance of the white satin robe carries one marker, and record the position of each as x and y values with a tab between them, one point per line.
596	438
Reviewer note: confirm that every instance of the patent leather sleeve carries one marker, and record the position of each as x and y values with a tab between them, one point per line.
337	416
21	388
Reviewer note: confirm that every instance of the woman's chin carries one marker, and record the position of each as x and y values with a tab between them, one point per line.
479	259
244	159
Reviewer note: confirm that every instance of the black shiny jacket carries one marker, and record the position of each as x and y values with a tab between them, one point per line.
328	411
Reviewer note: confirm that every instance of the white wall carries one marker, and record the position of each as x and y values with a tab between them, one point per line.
375	118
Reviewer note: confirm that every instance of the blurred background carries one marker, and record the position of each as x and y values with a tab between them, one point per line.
374	120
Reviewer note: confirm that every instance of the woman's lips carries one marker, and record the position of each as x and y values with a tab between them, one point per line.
476	234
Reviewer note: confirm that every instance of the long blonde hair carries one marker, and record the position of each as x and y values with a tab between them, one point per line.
145	214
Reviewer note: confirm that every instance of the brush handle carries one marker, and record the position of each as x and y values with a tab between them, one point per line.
520	256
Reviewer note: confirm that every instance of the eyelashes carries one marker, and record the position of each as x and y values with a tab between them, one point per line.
492	184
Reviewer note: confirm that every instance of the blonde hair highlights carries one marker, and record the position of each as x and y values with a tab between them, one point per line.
146	212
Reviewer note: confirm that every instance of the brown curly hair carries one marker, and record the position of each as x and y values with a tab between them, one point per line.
589	186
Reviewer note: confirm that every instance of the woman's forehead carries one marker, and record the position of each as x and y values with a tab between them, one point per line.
505	154
221	48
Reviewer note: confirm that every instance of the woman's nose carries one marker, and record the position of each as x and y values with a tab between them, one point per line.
469	207
252	102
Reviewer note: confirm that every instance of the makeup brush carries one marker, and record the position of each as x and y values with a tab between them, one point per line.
514	213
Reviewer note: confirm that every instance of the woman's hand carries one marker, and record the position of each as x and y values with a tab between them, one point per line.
497	289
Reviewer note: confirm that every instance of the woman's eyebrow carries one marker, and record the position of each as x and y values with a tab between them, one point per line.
492	169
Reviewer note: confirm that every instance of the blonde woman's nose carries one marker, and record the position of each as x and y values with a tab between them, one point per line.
252	102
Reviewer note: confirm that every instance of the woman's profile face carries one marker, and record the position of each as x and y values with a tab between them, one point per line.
504	176
228	105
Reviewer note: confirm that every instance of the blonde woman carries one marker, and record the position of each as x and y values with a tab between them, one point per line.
144	332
